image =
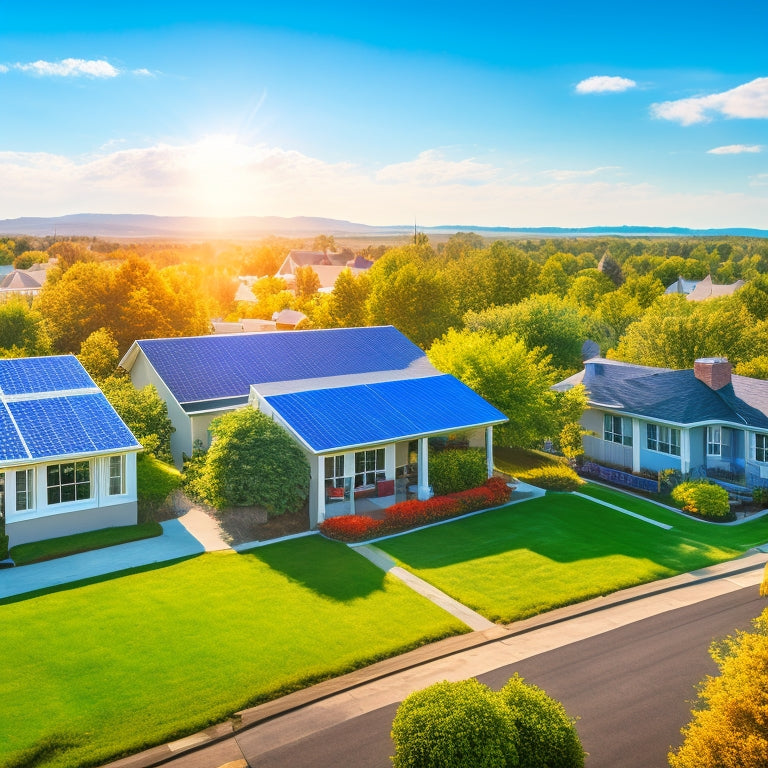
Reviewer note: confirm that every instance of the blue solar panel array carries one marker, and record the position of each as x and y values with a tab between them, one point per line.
330	419
213	367
77	419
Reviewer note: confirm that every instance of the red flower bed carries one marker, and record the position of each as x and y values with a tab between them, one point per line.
412	513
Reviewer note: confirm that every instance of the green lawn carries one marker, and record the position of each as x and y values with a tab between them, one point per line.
560	549
124	663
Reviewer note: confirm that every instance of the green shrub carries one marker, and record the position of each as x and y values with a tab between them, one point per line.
252	461
454	725
557	477
453	471
3	546
668	479
546	736
703	499
760	496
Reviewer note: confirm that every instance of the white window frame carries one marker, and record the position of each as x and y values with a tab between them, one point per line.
25	490
715	441
663	439
336	477
119	463
761	451
374	464
77	466
617	429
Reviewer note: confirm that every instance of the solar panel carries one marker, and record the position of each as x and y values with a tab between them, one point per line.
213	367
361	415
101	423
31	375
11	446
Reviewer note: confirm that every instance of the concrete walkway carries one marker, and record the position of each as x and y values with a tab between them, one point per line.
191	534
382	560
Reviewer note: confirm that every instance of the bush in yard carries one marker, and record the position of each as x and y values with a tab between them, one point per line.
546	736
760	495
252	461
554	478
728	728
451	471
703	499
764	585
454	725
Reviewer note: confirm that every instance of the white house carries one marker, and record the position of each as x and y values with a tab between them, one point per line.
361	402
67	461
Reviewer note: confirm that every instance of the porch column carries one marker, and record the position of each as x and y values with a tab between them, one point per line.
489	451
423	489
685	451
320	483
635	445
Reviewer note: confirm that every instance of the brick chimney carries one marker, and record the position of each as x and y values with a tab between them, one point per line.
715	372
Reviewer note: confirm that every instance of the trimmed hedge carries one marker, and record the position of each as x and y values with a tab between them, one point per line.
454	471
703	499
412	513
553	478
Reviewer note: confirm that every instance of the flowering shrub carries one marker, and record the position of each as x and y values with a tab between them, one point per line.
703	499
412	513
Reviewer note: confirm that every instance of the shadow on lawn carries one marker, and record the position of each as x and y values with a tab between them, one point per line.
328	568
558	526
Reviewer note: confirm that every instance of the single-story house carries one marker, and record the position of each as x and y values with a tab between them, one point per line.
701	290
361	402
702	422
67	460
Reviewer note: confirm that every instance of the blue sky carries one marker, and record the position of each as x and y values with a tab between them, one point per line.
492	114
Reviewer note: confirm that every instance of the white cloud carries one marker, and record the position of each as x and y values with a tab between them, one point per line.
431	167
3	68
745	101
567	175
735	149
221	176
143	72
605	84
70	68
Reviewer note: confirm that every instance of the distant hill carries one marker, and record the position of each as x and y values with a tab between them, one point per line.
191	227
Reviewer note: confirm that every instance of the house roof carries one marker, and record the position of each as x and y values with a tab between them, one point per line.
212	368
21	280
706	289
50	407
366	414
675	396
681	285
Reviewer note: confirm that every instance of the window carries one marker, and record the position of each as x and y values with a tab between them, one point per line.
334	471
25	486
714	441
761	448
368	466
69	482
116	475
617	429
663	439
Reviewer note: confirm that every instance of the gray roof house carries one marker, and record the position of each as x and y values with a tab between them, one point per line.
360	402
701	290
67	461
704	421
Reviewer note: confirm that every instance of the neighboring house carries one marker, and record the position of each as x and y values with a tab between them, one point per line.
67	461
244	325
327	267
361	402
700	290
287	319
21	282
704	421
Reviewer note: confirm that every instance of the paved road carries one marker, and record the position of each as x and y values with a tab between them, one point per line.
629	686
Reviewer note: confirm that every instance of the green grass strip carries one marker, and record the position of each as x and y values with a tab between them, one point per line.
123	664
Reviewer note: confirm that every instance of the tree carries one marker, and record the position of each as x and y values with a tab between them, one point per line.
252	461
674	332
345	306
454	725
756	368
22	330
67	253
729	727
143	412
28	258
99	354
514	379
307	282
324	243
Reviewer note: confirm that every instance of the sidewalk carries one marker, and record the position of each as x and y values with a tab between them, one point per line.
305	712
191	534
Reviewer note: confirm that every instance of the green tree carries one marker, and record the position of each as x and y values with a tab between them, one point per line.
324	243
588	288
99	354
514	379
454	725
67	253
729	727
22	330
756	368
346	305
252	461
28	258
143	412
307	282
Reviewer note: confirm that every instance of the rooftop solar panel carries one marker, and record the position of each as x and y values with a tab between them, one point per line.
32	375
213	367
330	419
11	446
